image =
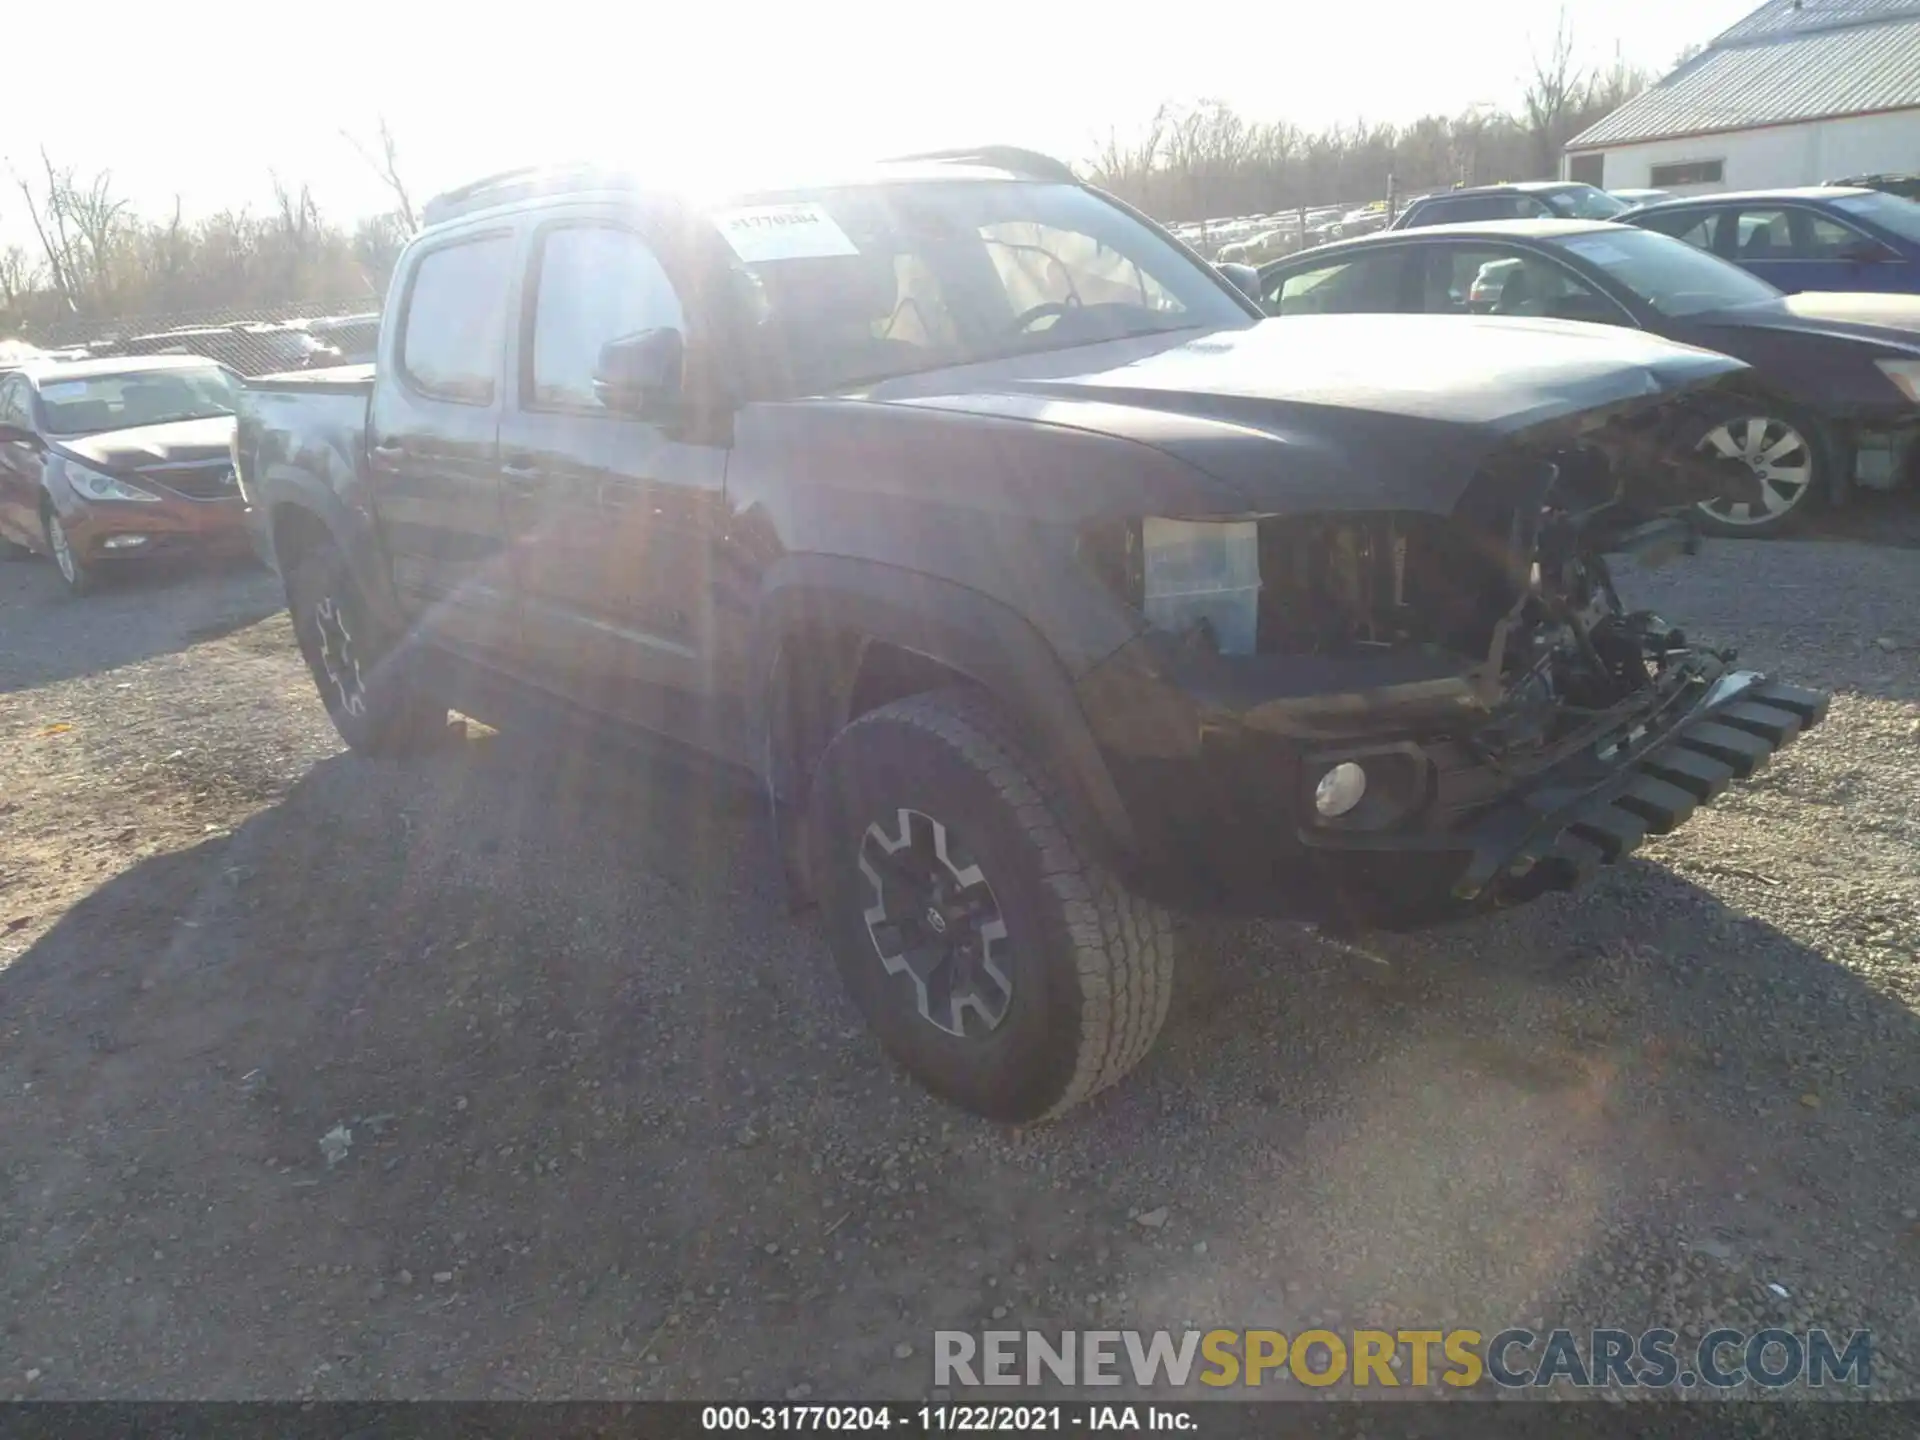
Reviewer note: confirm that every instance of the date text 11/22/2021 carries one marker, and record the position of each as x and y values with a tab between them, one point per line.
945	1419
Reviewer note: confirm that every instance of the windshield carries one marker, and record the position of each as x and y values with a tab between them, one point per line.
1668	274
1889	212
1584	202
867	282
95	403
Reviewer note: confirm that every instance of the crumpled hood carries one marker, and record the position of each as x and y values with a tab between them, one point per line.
180	442
1890	320
1337	412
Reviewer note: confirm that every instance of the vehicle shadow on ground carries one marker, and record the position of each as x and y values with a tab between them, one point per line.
146	612
1870	518
507	1075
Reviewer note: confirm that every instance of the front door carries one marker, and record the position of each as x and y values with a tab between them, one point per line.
433	438
1798	248
19	467
613	517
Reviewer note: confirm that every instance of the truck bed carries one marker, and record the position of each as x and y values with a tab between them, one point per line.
332	380
305	430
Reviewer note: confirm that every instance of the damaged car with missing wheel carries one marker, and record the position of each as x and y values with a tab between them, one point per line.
1041	584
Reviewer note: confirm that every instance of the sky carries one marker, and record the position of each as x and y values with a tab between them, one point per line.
207	102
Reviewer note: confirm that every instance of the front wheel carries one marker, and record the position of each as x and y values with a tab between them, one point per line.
997	961
1786	456
79	576
375	710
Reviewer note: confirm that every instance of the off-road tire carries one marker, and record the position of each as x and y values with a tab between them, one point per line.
1091	964
395	718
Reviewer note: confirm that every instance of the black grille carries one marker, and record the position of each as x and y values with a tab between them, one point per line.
205	482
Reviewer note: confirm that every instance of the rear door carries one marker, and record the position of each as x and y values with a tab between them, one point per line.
614	519
1849	258
433	441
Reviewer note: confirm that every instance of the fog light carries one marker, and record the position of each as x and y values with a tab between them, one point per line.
122	542
1340	789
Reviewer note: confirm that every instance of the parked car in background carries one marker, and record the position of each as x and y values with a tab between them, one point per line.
1907	187
1525	200
1839	400
15	354
349	339
103	462
1818	238
254	347
1034	580
1641	197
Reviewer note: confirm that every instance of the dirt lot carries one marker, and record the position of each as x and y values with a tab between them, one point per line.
603	1125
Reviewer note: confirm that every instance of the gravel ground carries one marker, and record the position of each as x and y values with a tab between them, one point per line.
504	1074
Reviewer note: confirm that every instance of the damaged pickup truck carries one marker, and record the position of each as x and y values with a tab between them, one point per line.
1041	585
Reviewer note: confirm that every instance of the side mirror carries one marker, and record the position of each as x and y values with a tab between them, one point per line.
641	374
14	435
1870	252
1243	278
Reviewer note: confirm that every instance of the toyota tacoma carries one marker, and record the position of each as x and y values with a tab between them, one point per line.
1042	585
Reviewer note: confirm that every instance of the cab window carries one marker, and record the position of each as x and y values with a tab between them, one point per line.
451	335
595	284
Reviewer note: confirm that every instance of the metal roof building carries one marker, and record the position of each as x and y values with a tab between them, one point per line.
1798	92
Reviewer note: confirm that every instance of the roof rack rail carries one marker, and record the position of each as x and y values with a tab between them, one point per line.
1000	157
528	180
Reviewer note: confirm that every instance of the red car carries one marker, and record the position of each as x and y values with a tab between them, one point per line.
103	462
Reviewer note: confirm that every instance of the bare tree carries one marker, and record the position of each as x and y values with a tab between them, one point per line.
386	164
1552	95
16	277
57	254
97	220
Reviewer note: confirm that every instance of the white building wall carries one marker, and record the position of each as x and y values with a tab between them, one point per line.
1803	154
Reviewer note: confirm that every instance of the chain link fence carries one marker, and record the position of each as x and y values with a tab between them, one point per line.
254	340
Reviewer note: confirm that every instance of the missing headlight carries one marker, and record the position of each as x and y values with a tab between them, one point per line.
1203	573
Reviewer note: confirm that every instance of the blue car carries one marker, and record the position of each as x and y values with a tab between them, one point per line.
1825	237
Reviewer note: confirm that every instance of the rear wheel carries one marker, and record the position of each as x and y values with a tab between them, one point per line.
1786	456
997	960
375	710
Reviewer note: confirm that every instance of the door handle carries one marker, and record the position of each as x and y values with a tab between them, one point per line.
389	450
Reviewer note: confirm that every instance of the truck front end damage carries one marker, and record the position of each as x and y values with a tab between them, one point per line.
1435	713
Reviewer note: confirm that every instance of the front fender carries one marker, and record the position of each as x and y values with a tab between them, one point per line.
959	628
282	487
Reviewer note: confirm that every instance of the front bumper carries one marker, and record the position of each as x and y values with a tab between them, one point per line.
1556	833
170	528
1218	786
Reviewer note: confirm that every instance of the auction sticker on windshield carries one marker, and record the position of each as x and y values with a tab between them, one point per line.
1597	248
802	231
